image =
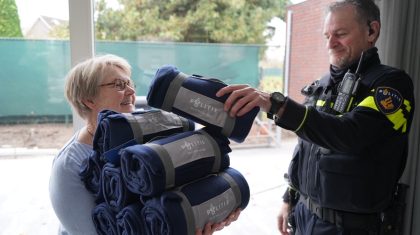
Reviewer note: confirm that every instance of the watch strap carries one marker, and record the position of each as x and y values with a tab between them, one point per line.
275	105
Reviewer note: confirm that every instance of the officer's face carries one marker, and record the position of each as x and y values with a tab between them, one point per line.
346	37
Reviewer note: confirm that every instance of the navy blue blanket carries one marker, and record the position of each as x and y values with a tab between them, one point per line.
151	168
194	97
90	174
104	220
118	130
210	199
115	193
130	221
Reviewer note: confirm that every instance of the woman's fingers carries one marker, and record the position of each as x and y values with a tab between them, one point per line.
209	228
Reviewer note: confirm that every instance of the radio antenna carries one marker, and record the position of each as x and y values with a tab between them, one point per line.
360	62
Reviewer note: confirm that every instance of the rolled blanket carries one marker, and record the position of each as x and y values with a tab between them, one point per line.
194	97
113	155
210	199
115	193
151	168
130	221
90	174
116	129
104	220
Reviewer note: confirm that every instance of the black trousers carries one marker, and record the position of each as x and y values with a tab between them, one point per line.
308	223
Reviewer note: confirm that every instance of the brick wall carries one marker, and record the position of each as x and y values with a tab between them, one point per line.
308	53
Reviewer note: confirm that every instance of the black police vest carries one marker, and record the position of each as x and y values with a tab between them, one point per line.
360	183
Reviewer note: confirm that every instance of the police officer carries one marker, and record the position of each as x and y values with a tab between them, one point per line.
352	129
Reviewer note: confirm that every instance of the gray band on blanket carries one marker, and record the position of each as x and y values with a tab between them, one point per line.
235	188
154	122
134	124
229	125
204	108
189	214
216	150
167	164
173	91
216	209
213	210
197	105
186	150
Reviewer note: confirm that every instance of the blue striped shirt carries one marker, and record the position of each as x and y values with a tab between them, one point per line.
72	203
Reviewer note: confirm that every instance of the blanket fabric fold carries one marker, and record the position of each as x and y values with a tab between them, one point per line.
115	193
104	220
130	221
194	97
209	199
118	130
151	168
90	174
153	173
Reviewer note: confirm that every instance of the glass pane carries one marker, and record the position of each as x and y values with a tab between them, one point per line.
43	19
148	47
149	43
34	59
34	64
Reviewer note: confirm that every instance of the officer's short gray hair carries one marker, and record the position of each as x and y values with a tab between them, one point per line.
366	10
83	80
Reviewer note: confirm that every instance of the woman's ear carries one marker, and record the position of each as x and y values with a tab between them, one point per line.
89	103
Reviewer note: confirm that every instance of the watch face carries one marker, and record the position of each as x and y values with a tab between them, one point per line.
278	97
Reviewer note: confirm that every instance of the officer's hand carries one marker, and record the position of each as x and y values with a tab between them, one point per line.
209	228
243	99
282	219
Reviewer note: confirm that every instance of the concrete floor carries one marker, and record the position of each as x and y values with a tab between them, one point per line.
25	208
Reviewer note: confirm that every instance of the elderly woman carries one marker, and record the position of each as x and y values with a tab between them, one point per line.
93	85
99	83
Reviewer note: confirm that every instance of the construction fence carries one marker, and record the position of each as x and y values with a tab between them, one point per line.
33	72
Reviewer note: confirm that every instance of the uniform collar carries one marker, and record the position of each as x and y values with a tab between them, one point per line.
370	58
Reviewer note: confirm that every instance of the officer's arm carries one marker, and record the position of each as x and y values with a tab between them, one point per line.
361	127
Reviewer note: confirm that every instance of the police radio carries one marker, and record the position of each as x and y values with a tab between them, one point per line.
347	90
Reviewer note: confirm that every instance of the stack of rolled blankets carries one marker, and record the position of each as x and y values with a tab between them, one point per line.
152	172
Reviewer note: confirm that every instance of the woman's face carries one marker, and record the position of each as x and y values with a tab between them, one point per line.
114	94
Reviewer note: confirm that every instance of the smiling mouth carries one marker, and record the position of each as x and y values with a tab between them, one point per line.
126	103
335	53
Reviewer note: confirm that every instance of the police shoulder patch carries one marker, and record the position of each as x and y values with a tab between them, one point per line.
388	100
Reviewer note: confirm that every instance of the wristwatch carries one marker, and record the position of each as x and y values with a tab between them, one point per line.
277	100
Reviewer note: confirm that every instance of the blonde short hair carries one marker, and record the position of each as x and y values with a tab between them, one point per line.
83	80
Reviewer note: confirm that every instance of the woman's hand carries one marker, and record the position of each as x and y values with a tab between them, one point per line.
209	228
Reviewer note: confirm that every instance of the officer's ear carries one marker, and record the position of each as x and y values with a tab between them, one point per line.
370	30
373	31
